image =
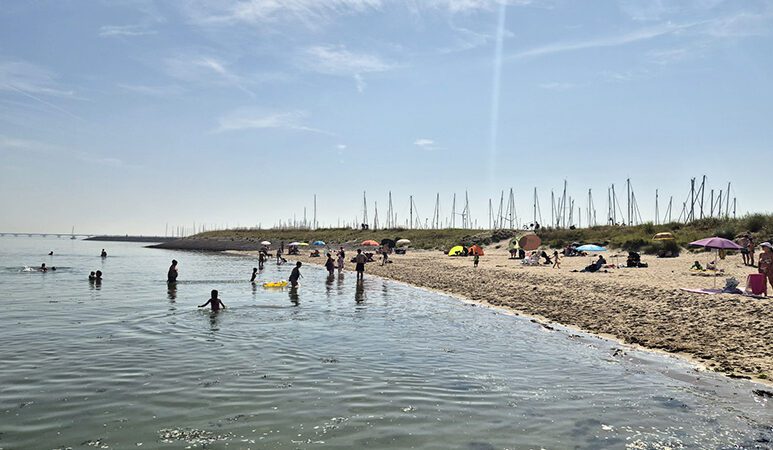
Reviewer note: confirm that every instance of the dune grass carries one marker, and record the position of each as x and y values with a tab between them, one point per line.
636	238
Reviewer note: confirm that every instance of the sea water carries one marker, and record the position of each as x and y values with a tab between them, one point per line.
133	363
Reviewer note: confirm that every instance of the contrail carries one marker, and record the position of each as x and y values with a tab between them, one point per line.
49	104
495	94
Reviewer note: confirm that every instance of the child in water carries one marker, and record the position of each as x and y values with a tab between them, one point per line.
254	274
92	276
295	274
214	302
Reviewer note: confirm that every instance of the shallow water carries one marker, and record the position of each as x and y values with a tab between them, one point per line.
132	363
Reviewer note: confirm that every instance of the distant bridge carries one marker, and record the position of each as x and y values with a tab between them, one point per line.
59	235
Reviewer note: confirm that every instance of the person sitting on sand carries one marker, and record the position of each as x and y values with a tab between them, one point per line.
295	274
712	265
696	266
254	274
214	302
171	274
359	261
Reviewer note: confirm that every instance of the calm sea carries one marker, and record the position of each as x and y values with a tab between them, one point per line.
131	363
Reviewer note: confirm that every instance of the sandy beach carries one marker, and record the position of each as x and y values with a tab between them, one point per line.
643	306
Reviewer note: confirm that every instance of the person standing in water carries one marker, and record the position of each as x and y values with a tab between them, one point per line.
295	274
330	264
261	259
359	261
214	302
254	274
341	261
279	252
104	253
171	275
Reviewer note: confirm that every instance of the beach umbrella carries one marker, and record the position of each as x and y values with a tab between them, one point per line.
403	242
318	243
303	244
265	243
475	250
388	242
456	251
663	237
591	248
716	243
529	242
370	243
294	244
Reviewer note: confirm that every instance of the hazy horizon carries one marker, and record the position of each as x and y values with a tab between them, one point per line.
123	117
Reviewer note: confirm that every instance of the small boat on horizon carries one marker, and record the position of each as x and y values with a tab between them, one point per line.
72	234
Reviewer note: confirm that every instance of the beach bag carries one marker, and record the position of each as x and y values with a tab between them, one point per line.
757	284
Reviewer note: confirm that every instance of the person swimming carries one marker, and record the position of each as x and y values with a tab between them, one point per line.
254	274
214	302
104	253
43	268
51	253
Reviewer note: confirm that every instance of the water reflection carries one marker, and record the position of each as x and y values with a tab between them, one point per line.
294	298
171	291
254	289
213	320
359	292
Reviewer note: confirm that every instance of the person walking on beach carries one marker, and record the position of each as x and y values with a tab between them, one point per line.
475	260
556	260
359	261
214	302
750	246
330	265
766	261
254	274
341	261
743	242
295	274
171	275
384	255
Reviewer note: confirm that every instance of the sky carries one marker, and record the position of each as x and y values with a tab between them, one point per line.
144	116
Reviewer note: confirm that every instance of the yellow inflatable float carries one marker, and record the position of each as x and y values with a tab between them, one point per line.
275	284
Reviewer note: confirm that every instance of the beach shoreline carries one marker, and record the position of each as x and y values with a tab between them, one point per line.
641	308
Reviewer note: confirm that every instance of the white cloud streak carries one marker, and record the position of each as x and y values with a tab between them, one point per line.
338	61
125	31
207	70
426	144
251	119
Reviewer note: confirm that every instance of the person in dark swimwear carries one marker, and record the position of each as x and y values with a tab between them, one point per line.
43	268
295	274
98	276
261	259
214	302
51	253
171	275
104	253
254	274
330	264
92	276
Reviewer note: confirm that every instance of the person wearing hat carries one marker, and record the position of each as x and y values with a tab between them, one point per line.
766	261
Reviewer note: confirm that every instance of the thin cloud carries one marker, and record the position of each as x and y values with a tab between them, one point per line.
337	60
426	144
608	41
30	78
42	148
249	119
125	30
158	91
207	70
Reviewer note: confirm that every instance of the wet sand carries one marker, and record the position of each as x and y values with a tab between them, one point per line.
644	306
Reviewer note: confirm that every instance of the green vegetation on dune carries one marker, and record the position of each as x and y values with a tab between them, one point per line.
636	238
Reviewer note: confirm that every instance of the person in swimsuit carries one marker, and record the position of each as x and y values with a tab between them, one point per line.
750	247
214	302
104	253
556	260
171	275
261	259
330	264
98	277
475	260
360	264
279	252
92	276
341	261
254	274
295	274
766	261
43	268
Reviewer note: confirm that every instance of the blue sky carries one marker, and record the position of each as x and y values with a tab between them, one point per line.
123	116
